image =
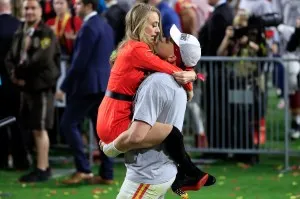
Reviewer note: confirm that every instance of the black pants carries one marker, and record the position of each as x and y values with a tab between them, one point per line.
11	136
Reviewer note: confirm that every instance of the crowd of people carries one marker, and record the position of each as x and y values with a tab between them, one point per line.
111	47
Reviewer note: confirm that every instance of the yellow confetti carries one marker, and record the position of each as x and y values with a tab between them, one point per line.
66	193
294	183
24	185
221	183
280	175
293	197
95	196
239	197
222	177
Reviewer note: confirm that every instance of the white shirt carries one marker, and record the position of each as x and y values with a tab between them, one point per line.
111	3
87	17
220	3
5	13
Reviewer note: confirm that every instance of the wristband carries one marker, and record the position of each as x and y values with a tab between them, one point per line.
110	150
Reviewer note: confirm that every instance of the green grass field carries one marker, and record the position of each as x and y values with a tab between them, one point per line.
235	181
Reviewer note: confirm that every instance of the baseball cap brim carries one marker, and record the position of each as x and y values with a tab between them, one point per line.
175	34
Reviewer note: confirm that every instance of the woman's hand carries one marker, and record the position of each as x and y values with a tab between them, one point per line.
184	77
190	95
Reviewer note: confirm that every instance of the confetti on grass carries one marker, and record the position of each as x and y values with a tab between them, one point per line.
243	165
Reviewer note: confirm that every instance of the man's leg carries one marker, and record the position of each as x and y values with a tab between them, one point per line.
40	112
132	189
74	113
106	167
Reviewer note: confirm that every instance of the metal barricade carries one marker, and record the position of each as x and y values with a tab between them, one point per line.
238	106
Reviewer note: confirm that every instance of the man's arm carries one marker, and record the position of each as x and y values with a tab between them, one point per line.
81	56
149	104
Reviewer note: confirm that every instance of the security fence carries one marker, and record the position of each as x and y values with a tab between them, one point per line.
235	110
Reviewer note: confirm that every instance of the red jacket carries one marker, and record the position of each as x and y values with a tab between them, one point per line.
135	58
68	27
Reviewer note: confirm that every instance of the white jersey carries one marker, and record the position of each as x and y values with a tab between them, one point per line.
159	98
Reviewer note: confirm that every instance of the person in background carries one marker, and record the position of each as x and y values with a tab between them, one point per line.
84	86
10	96
115	15
65	25
33	64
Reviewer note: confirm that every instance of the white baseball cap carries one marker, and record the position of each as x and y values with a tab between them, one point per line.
189	46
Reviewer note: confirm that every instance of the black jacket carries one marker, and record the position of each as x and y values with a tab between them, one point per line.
42	68
213	32
294	41
8	27
115	16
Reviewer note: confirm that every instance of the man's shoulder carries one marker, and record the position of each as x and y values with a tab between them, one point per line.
98	23
158	80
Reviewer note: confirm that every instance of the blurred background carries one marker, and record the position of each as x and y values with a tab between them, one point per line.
243	124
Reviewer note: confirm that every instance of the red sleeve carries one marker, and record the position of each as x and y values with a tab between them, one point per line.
78	23
145	59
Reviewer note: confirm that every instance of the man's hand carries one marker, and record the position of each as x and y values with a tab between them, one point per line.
184	77
190	95
298	22
18	82
109	149
59	95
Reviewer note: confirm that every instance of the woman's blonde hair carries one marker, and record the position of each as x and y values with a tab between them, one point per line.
136	21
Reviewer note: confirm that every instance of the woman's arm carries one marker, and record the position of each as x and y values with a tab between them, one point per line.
145	59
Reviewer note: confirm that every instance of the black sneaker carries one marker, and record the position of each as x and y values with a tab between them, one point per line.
36	175
211	180
49	172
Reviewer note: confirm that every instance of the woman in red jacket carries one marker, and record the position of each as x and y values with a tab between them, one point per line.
65	25
134	58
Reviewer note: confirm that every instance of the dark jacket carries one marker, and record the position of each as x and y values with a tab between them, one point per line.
115	16
294	41
213	32
8	27
41	69
90	68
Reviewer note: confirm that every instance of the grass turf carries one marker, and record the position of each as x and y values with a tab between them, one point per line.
235	180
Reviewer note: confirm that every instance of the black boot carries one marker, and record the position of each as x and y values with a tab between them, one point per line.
175	147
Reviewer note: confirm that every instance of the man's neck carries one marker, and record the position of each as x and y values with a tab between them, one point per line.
32	23
5	11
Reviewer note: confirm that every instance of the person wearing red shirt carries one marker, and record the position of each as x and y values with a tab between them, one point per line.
133	59
65	25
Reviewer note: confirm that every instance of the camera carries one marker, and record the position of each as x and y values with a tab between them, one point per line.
258	23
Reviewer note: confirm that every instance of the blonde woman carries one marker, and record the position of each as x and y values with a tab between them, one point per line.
134	57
